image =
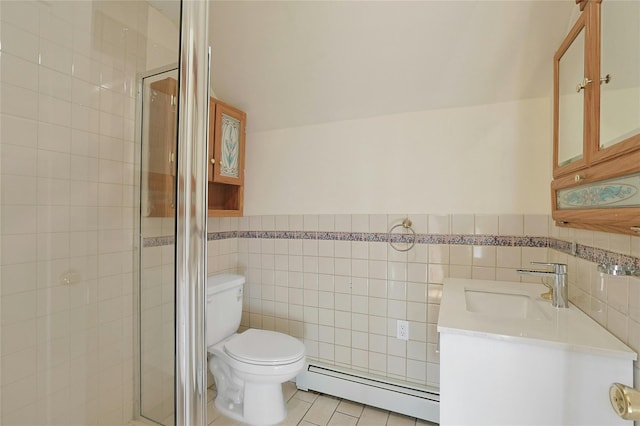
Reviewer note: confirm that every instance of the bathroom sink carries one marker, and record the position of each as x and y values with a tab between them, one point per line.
515	311
503	305
497	336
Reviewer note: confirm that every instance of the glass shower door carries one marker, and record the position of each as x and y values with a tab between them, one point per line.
157	254
173	124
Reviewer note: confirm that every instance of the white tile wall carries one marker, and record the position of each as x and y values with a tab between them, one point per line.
611	301
157	323
343	298
363	288
67	78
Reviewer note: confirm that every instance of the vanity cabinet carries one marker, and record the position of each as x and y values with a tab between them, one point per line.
597	120
508	357
489	380
226	159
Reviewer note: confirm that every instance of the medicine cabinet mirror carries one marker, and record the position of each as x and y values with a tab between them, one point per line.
570	102
597	120
620	60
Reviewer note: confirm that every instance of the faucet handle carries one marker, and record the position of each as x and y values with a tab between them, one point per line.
558	268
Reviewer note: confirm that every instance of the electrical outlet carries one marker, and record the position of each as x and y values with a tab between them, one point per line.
402	330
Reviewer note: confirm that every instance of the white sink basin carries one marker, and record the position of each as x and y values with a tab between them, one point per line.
503	305
516	312
501	342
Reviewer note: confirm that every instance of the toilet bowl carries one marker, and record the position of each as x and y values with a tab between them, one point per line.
250	367
249	374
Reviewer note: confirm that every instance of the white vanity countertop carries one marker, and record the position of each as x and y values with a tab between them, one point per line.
568	328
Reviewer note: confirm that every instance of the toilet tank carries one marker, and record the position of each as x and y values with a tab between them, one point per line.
224	306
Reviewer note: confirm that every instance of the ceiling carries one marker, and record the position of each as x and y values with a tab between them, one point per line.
296	63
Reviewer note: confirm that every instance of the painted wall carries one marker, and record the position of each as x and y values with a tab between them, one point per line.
492	159
478	164
472	170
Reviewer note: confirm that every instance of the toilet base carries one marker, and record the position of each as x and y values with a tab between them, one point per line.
262	404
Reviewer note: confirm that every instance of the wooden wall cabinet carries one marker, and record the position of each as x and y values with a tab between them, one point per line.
226	159
596	137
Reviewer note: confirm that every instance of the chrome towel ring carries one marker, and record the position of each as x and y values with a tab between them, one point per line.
409	237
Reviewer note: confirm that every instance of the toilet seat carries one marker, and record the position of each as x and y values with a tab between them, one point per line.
264	347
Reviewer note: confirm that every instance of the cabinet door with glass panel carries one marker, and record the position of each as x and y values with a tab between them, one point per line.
571	95
619	73
226	159
597	87
597	160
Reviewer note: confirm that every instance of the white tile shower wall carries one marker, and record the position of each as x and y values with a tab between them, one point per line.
157	321
68	74
343	298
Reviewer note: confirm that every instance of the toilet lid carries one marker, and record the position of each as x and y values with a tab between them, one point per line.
264	347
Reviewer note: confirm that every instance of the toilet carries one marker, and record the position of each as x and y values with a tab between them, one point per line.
250	367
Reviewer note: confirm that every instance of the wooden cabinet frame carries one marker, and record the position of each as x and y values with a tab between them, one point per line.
226	194
618	160
622	220
579	26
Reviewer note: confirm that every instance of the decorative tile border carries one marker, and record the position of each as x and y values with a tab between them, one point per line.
382	237
214	236
591	254
158	241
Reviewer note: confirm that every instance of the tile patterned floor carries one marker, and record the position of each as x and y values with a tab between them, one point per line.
313	409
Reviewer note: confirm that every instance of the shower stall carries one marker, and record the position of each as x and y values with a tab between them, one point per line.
96	294
156	294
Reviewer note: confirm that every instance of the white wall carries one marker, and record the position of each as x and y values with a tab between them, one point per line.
482	159
495	159
164	33
344	298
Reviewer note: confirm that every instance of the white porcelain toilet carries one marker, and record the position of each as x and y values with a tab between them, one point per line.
249	368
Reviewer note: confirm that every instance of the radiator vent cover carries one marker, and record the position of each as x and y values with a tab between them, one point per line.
401	397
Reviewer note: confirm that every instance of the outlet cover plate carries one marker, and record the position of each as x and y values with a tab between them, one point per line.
402	331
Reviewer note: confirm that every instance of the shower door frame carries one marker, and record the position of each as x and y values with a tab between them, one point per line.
191	218
137	294
191	214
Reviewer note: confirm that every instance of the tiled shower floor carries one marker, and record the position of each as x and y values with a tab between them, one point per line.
313	409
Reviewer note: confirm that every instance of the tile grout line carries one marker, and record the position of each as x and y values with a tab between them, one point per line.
308	408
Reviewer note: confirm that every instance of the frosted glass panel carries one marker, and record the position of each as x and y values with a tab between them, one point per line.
229	163
617	192
157	224
620	98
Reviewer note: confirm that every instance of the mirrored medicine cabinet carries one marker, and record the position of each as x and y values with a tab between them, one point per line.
597	120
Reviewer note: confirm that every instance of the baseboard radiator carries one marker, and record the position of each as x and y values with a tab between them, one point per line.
401	397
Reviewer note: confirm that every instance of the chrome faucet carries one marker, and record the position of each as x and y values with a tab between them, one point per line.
560	290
